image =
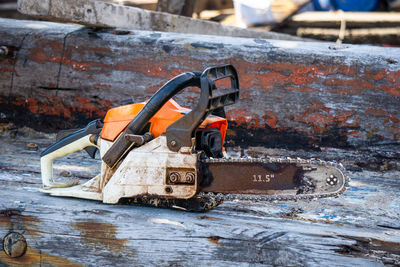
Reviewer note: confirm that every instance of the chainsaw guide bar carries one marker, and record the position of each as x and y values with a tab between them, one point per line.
321	179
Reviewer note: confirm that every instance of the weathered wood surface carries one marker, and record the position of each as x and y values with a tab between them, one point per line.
360	228
292	93
103	13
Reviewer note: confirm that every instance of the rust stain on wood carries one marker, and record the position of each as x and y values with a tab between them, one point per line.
15	220
35	257
271	118
101	236
55	106
214	239
305	77
379	113
208	218
244	117
393	77
7	62
320	118
8	70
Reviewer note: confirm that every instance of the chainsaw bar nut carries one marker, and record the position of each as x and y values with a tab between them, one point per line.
189	177
174	177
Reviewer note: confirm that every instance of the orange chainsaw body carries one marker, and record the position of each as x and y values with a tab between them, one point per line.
117	119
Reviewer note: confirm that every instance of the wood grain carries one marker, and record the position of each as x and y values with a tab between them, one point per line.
358	228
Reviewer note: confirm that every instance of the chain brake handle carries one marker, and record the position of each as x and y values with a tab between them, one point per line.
212	101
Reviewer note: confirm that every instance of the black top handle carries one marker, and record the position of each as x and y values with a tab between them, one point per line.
212	101
180	132
122	145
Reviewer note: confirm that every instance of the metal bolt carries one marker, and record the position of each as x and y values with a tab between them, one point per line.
173	143
3	50
190	177
174	177
14	244
168	189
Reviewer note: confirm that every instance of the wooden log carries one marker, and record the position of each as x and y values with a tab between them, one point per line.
293	94
8	9
145	4
388	36
353	19
359	228
99	13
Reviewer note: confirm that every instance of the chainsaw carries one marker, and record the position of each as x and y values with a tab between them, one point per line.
161	154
